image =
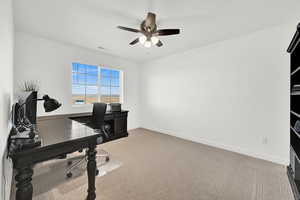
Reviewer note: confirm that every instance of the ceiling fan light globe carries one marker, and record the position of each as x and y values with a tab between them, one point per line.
142	39
154	40
148	44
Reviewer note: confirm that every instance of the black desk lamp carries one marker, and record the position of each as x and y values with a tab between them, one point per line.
50	104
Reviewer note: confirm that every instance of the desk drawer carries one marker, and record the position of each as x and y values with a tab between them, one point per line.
120	125
120	115
109	117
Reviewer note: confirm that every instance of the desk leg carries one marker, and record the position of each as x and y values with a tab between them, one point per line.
91	170
24	185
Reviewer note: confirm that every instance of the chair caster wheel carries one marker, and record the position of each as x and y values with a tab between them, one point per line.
69	175
107	159
70	162
97	172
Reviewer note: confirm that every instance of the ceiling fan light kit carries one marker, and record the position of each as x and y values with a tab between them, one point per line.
142	39
154	40
149	32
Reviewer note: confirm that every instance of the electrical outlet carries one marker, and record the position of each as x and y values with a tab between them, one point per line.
265	140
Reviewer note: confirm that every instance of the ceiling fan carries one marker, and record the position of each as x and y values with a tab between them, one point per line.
149	32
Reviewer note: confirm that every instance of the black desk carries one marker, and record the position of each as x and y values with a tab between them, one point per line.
60	135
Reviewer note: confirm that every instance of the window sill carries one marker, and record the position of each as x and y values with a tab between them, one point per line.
88	105
81	105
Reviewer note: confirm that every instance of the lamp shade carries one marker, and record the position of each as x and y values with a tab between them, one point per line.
50	104
154	40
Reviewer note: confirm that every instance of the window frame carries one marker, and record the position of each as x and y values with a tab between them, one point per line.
99	67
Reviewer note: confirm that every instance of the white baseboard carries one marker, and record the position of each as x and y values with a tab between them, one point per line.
271	158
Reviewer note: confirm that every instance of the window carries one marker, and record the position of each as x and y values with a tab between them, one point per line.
110	85
95	84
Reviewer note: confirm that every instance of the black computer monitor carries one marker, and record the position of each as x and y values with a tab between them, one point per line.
29	108
15	114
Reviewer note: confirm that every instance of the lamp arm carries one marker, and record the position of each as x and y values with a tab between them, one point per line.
31	100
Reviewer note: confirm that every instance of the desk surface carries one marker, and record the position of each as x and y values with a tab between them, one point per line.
64	128
61	130
55	131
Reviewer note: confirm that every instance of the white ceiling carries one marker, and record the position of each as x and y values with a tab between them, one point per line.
92	23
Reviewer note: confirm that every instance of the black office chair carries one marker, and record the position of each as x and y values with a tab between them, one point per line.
99	110
97	122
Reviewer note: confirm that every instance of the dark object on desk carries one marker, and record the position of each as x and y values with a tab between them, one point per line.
23	116
25	144
61	135
25	106
115	107
31	107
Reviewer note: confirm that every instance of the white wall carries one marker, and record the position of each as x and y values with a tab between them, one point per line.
49	63
6	85
233	94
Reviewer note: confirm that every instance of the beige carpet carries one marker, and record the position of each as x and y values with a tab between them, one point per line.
161	167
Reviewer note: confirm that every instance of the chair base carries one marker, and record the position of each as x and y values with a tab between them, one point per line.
83	159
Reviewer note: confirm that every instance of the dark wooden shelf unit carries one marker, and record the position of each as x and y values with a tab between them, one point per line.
293	170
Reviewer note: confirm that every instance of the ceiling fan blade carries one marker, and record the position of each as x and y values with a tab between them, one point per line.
129	29
134	41
163	32
159	44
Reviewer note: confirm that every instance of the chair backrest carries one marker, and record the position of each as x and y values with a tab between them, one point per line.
99	110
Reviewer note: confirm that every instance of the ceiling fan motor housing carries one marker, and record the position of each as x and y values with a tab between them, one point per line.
149	24
150	28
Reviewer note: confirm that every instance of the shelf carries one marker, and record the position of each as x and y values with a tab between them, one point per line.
295	132
296	114
295	93
296	70
295	153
